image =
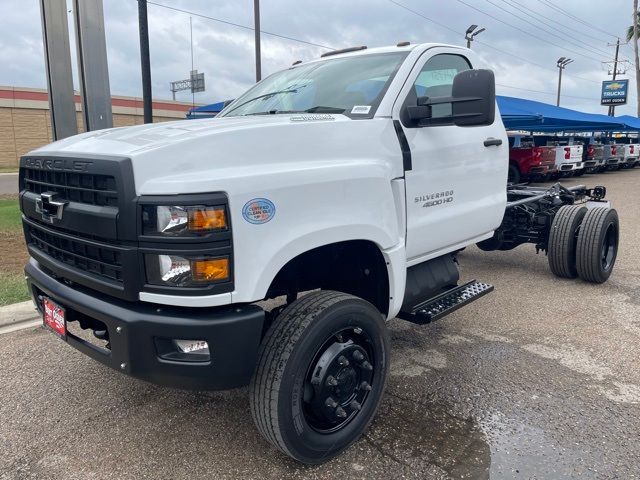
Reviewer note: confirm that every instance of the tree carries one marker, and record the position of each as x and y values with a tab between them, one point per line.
630	29
633	29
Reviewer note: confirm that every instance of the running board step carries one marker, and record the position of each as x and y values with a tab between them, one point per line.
447	302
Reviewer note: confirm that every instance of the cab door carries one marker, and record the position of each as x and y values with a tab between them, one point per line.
456	184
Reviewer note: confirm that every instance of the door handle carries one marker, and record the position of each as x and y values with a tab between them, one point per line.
490	142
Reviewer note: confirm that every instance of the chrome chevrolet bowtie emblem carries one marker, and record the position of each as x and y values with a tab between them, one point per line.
50	207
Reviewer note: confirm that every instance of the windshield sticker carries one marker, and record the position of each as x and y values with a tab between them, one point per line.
258	210
360	109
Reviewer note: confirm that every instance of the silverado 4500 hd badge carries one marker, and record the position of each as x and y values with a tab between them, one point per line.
258	210
433	199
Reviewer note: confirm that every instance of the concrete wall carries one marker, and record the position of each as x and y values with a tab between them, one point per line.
25	122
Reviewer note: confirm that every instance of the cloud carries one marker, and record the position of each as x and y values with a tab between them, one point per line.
521	53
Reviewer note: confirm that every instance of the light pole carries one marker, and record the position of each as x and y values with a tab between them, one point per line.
470	33
256	29
561	63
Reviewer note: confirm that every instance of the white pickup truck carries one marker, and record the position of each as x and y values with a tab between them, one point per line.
569	159
631	155
342	186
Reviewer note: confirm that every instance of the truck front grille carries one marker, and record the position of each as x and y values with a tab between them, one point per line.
89	257
86	188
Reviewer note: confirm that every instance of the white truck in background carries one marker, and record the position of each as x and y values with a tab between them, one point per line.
343	186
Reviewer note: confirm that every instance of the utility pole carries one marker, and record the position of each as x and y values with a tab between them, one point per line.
561	64
145	62
256	30
612	108
635	52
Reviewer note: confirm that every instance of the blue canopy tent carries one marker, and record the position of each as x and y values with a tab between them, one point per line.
206	111
521	114
631	122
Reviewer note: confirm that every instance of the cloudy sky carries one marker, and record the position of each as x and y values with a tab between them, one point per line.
522	41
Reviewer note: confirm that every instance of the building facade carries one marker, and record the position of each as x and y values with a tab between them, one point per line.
25	122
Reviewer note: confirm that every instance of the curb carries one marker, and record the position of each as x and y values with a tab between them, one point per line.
9	173
17	316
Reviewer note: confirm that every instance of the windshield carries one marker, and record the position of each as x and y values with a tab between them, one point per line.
350	85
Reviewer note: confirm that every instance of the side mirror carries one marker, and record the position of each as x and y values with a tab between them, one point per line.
479	87
473	102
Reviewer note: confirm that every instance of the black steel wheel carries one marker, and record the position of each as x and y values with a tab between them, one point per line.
322	367
597	246
514	174
561	247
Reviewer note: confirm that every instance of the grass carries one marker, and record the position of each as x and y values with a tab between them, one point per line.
13	289
9	216
13	254
8	169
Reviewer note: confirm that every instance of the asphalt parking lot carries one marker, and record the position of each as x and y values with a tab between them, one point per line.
540	379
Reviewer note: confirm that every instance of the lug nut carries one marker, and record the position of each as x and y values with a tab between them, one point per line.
123	366
365	386
340	413
342	361
357	356
357	330
355	405
330	402
339	338
118	329
331	381
366	365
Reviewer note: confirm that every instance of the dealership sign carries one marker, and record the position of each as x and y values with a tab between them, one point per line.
614	92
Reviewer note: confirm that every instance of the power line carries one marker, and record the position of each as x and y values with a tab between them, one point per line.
563	25
425	17
557	33
226	22
527	32
504	52
553	6
545	93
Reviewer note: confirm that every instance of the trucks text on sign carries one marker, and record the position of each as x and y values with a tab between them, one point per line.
614	92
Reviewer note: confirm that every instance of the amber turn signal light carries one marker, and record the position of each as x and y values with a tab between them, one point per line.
210	270
207	218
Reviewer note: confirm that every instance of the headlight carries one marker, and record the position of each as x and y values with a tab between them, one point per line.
183	221
183	271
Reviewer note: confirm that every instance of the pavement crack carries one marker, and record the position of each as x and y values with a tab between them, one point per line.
382	452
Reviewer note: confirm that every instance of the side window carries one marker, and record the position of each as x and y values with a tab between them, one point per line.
436	79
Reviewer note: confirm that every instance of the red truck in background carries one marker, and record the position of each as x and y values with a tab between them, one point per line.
528	161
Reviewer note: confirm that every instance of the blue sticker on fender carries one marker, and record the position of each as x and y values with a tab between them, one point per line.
258	210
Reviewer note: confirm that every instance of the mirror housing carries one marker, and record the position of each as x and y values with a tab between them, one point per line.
473	102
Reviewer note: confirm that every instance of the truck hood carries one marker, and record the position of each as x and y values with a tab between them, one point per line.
134	140
190	156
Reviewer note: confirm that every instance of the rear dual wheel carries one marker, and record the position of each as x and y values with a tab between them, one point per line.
597	245
322	368
563	237
583	242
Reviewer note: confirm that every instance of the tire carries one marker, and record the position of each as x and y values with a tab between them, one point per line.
514	174
561	247
597	246
579	172
302	353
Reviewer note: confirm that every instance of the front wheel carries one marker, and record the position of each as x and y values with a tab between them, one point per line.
321	372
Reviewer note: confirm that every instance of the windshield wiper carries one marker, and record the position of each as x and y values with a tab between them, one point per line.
270	94
323	109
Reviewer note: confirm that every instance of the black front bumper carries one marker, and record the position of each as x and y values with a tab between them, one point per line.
138	333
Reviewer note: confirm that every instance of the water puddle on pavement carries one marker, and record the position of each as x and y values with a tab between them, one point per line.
426	437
